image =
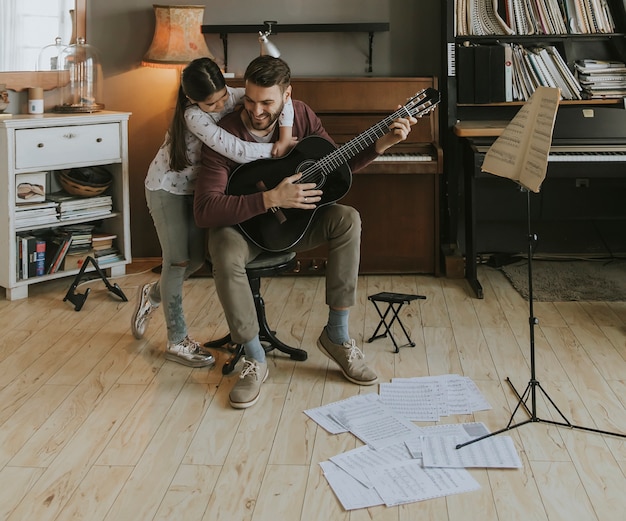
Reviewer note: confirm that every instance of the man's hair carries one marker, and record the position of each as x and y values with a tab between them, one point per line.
267	71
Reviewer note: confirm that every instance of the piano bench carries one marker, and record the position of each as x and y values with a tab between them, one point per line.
395	302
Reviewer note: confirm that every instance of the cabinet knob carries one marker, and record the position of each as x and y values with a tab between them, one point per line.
99	140
39	145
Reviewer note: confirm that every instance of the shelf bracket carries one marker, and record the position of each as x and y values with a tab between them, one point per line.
78	299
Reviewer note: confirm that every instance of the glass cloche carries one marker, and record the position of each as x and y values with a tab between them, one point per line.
49	56
83	91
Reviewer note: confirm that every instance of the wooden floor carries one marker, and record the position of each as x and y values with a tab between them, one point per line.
96	425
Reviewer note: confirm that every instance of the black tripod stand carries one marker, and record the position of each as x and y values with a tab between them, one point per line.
533	384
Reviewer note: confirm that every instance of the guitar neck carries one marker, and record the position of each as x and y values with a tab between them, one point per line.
344	153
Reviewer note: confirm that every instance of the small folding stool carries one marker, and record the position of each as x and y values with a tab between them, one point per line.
395	301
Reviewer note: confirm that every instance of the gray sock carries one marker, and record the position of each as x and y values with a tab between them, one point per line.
254	349
337	327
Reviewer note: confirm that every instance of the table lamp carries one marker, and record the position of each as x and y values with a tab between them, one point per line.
177	37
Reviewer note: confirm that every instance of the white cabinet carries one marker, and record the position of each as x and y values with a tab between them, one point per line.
47	143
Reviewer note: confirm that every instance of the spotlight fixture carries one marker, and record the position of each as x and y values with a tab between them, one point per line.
267	47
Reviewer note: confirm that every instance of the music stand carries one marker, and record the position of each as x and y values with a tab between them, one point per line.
533	123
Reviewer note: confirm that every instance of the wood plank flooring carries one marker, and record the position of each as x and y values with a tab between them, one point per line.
96	425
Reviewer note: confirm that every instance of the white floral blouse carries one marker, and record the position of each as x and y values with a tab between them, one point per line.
202	128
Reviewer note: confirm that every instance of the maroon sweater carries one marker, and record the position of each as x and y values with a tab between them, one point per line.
212	207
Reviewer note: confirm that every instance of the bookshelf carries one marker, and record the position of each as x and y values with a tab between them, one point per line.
606	41
33	150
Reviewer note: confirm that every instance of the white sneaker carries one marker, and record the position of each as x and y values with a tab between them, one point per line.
144	309
188	352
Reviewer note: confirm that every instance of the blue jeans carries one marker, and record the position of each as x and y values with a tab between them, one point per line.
183	251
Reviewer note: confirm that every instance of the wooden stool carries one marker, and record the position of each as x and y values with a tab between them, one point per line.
395	301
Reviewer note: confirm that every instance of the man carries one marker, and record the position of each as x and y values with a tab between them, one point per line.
267	83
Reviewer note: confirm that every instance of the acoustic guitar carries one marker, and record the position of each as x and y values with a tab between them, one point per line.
321	163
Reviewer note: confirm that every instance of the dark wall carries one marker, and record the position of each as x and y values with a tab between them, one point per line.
122	31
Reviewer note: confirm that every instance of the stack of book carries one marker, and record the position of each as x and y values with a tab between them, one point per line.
31	256
70	242
58	245
542	66
104	249
72	207
488	17
33	214
601	79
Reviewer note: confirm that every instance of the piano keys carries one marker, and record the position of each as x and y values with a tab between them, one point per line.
578	154
391	158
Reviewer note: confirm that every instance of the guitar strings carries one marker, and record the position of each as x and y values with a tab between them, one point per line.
340	156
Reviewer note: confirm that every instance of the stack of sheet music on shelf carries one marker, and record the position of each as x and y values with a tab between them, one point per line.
492	17
542	66
601	79
72	207
35	214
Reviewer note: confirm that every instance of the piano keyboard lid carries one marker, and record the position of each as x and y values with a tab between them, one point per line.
587	125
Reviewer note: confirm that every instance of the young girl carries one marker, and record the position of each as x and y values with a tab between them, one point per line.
203	99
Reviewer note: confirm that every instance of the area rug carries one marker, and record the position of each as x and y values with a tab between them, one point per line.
563	281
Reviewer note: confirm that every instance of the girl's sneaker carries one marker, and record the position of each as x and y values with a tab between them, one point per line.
144	309
189	353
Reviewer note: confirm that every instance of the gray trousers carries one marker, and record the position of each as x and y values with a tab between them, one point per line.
183	251
337	225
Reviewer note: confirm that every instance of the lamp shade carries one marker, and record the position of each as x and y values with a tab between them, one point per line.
178	37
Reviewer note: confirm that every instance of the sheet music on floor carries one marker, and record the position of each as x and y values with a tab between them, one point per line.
363	463
401	462
404	483
465	431
374	424
493	452
351	493
428	398
326	414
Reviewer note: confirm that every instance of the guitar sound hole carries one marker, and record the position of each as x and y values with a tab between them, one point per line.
314	175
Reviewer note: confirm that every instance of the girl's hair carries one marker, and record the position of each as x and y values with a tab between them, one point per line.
199	80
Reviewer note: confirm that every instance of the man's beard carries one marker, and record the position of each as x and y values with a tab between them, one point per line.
266	124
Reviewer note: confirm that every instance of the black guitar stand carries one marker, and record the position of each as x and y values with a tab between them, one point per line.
78	299
395	301
533	384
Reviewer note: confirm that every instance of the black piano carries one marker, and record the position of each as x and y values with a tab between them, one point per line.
580	209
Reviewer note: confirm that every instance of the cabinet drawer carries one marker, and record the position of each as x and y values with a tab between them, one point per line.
65	146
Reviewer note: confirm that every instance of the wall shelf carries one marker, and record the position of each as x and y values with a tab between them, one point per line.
364	27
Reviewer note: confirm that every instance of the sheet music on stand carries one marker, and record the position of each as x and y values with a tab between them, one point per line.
521	152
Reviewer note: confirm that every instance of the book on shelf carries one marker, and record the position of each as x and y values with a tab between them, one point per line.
102	241
114	256
482	73
32	214
62	245
601	79
39	260
529	17
33	256
74	207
